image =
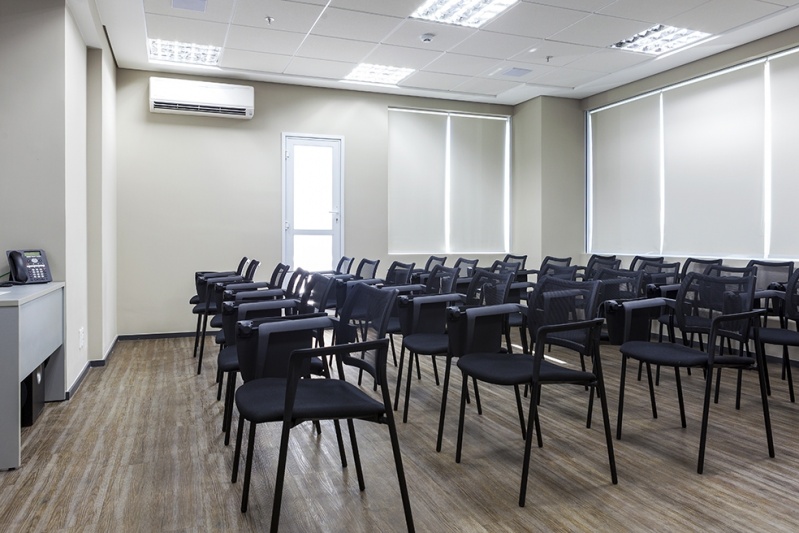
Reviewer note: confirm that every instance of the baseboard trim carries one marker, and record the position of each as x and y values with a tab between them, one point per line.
146	336
76	384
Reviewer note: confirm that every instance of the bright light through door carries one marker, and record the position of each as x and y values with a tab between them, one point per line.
312	174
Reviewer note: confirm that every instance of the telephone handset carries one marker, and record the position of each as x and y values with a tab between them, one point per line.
28	266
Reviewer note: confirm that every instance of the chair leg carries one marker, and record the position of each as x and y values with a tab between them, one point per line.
227	409
279	478
765	365
476	397
444	393
651	391
533	415
520	409
197	333
237	452
406	502
408	385
621	395
678	380
705	414
399	376
418	368
786	362
603	401
458	446
202	345
245	492
393	350
219	379
764	398
435	369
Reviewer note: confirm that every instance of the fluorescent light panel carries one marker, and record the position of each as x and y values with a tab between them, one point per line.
469	13
660	39
179	52
385	75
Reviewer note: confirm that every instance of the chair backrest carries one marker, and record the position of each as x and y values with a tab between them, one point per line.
489	288
559	301
242	264
477	329
296	283
730	271
559	272
792	297
699	266
365	311
521	259
441	280
425	313
367	268
316	294
278	275
551	261
503	267
434	260
234	312
344	265
251	268
707	296
269	356
598	262
465	267
769	272
660	273
618	284
635	264
399	273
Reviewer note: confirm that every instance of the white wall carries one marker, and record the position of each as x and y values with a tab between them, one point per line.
198	193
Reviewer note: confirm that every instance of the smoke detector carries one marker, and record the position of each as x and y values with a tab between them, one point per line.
427	37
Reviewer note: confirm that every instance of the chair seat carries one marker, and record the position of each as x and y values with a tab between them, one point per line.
219	338
784	337
261	400
427	343
228	359
678	355
508	369
201	308
393	325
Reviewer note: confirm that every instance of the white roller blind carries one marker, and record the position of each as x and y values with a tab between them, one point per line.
785	156
477	184
447	183
416	170
625	179
713	161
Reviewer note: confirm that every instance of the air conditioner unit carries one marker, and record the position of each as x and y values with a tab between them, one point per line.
188	97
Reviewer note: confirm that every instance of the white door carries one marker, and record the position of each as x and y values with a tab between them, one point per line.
312	168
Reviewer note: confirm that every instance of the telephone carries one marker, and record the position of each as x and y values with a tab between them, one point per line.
28	266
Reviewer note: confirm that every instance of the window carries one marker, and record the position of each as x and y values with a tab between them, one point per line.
448	182
668	170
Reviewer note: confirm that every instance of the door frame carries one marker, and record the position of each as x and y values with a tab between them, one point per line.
285	137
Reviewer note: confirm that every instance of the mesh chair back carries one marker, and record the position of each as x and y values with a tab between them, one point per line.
699	266
365	313
521	259
367	268
635	264
619	284
344	265
555	261
441	280
465	267
489	288
432	261
702	297
792	297
730	271
505	267
296	284
477	329
399	273
598	262
559	272
660	273
769	272
251	268
278	275
558	301
316	294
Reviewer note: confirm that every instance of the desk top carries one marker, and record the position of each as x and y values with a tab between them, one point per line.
17	295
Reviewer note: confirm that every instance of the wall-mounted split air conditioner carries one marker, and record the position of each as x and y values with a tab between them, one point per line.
188	97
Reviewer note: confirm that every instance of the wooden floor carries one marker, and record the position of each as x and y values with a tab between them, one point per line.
139	448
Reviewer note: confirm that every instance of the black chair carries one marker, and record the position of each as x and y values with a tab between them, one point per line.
342	268
595	264
194	300
725	305
483	360
783	335
489	288
636	262
423	323
419	275
553	265
771	273
465	268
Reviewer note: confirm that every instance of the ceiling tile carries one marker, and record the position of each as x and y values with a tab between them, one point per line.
568	77
445	37
554	53
534	20
400	56
500	71
264	40
460	64
589	6
608	60
652	11
288	15
355	25
258	61
486	86
718	16
319	68
433	80
494	45
215	10
316	46
394	8
185	30
600	30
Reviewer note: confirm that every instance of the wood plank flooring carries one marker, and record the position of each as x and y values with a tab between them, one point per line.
139	448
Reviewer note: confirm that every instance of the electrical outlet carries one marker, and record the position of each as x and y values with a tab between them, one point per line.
81	338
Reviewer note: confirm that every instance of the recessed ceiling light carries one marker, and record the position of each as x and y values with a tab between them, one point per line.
660	39
179	52
381	74
469	13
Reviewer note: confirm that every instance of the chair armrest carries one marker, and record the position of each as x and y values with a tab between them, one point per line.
267	294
